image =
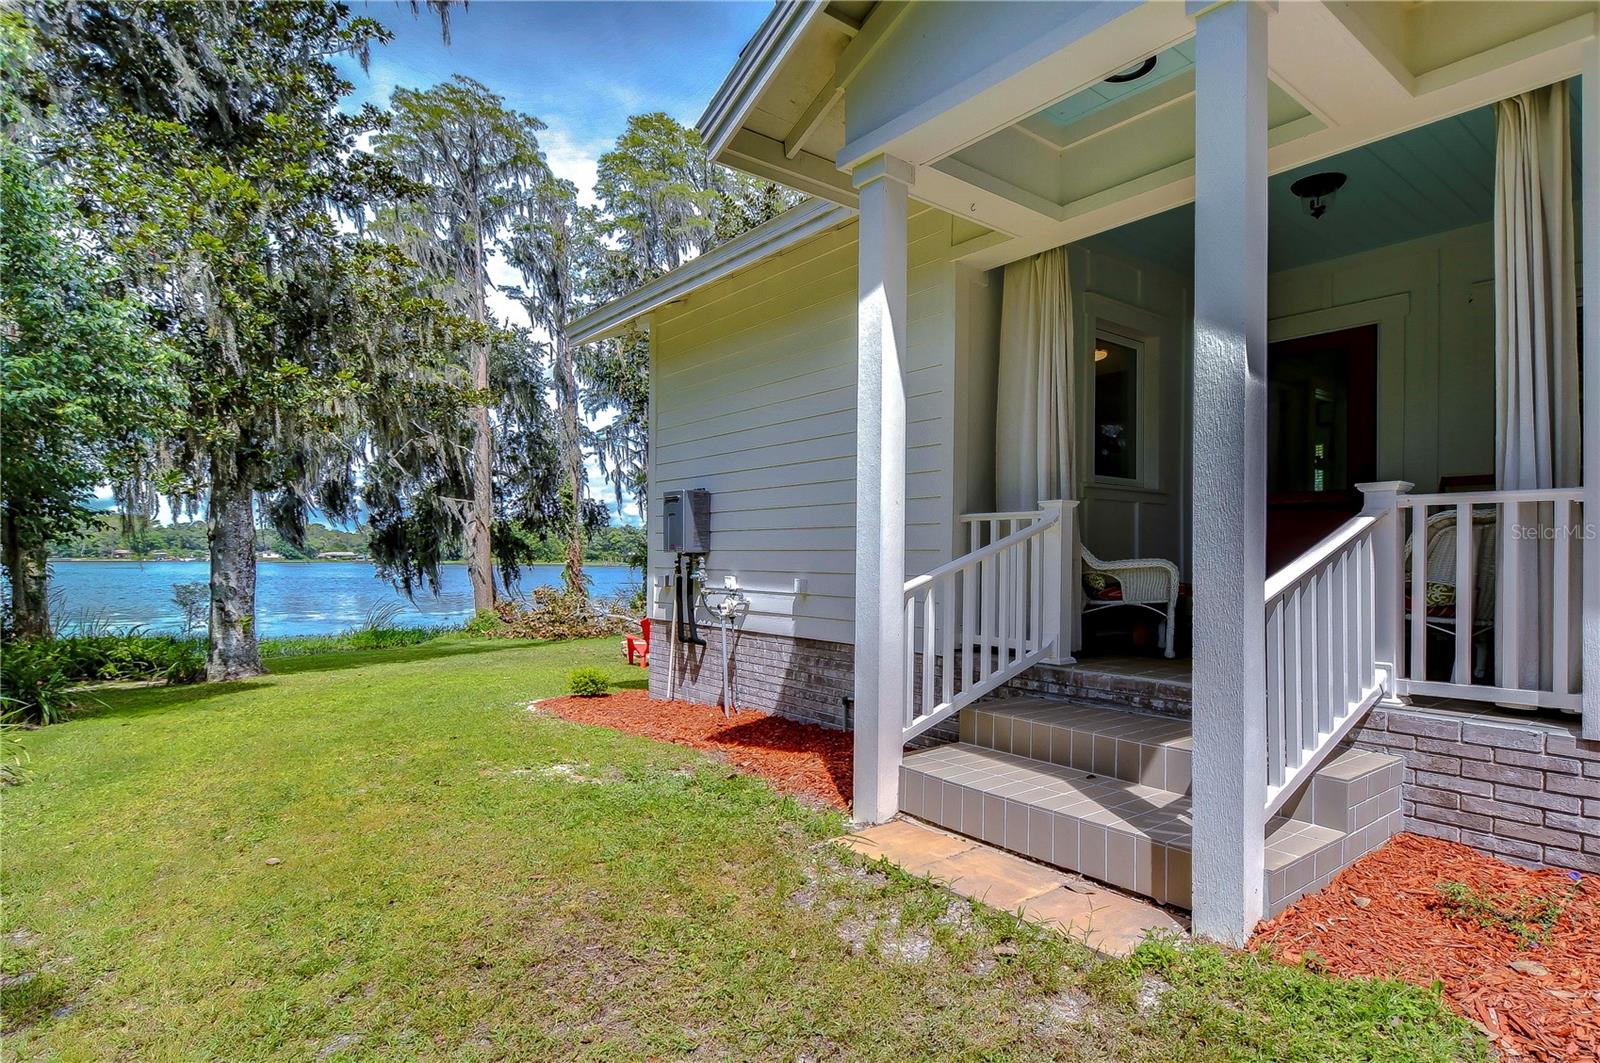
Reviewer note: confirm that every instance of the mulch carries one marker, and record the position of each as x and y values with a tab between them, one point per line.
799	759
1384	916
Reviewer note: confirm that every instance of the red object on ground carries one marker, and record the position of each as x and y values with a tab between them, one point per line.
638	645
1405	928
801	759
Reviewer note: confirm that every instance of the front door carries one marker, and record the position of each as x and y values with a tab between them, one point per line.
1322	436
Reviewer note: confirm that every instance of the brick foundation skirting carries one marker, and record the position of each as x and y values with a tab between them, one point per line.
803	679
1528	792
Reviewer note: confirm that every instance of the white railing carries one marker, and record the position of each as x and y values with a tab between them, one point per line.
984	618
1328	645
1494	579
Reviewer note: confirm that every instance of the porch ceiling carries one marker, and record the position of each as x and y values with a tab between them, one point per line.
1003	145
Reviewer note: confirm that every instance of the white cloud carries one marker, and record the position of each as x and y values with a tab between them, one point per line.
575	160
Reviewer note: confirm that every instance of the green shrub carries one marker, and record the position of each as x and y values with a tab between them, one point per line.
38	673
588	682
485	622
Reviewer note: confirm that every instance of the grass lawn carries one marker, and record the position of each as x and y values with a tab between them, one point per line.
383	854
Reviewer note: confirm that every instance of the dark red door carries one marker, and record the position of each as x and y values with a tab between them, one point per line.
1322	436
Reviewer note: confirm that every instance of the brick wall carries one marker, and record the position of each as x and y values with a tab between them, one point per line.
1526	791
804	679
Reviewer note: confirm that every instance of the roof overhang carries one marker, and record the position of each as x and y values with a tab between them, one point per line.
811	218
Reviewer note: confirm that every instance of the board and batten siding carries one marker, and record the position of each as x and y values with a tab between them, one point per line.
753	385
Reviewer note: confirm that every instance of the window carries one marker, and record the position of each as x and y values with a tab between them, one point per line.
1116	409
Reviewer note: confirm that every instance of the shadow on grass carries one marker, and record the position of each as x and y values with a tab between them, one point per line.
330	662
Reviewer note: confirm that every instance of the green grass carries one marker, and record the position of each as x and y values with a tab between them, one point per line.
462	878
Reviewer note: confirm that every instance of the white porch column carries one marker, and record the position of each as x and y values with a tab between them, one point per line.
1230	481
1589	245
880	661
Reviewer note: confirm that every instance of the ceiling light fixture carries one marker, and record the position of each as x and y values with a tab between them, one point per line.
1101	354
1317	190
1133	73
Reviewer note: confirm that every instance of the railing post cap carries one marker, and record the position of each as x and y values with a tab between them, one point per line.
1398	487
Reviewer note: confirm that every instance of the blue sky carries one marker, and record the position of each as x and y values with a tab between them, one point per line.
580	67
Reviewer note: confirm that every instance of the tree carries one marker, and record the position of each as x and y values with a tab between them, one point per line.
552	246
475	165
662	201
84	378
206	145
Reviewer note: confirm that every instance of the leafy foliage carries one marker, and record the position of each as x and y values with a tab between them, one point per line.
588	682
553	614
82	377
36	675
206	145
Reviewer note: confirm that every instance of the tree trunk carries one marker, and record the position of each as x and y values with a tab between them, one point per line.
480	552
572	454
28	568
231	530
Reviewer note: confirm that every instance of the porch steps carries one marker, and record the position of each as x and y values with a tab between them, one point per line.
1106	793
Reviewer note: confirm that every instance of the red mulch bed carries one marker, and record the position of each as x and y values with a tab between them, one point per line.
1407	929
800	759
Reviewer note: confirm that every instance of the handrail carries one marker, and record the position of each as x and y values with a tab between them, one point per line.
1300	567
978	621
1481	498
1021	514
916	583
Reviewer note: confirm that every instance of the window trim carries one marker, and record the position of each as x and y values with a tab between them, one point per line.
1102	320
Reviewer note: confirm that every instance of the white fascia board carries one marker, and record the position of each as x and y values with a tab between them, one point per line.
757	65
787	229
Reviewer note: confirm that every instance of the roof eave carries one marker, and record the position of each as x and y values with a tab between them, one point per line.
757	65
799	223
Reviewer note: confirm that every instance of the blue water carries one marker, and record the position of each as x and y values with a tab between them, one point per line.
292	597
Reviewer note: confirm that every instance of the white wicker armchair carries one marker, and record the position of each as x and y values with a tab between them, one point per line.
1150	583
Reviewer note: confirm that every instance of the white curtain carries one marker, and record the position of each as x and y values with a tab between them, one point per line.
1535	348
1033	436
1033	458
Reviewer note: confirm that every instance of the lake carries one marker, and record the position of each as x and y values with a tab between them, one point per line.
292	597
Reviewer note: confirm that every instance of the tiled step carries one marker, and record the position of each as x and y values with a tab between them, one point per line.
1354	789
1131	835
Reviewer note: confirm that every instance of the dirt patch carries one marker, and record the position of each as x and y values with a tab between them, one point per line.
1517	950
800	759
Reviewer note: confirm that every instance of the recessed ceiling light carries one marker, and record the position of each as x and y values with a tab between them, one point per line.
1133	73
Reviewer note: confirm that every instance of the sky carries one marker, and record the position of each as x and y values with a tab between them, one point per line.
580	67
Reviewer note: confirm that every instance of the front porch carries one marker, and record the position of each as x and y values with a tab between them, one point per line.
1382	604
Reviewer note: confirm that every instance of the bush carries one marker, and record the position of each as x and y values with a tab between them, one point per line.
554	614
35	674
485	622
588	682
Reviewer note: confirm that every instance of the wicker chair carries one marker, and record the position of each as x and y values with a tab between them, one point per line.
1440	580
1150	583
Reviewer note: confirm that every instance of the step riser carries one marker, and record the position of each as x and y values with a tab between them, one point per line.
1166	764
1140	865
1079	683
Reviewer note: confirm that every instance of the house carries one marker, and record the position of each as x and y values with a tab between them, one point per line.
1273	298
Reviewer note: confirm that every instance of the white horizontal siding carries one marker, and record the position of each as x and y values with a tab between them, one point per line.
753	385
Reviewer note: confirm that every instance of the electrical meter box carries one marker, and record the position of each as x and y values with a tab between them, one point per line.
686	521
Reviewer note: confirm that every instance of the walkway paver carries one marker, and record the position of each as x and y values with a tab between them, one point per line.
1107	921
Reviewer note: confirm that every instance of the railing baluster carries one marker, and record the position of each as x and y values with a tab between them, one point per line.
1002	609
969	624
930	639
1036	592
1508	602
1354	612
1466	570
911	648
1561	599
1337	635
986	645
1275	703
1294	684
949	628
1419	592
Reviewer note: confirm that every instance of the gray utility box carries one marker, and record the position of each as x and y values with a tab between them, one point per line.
686	521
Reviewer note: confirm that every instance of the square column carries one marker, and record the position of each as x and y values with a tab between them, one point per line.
1589	198
1230	471
881	674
